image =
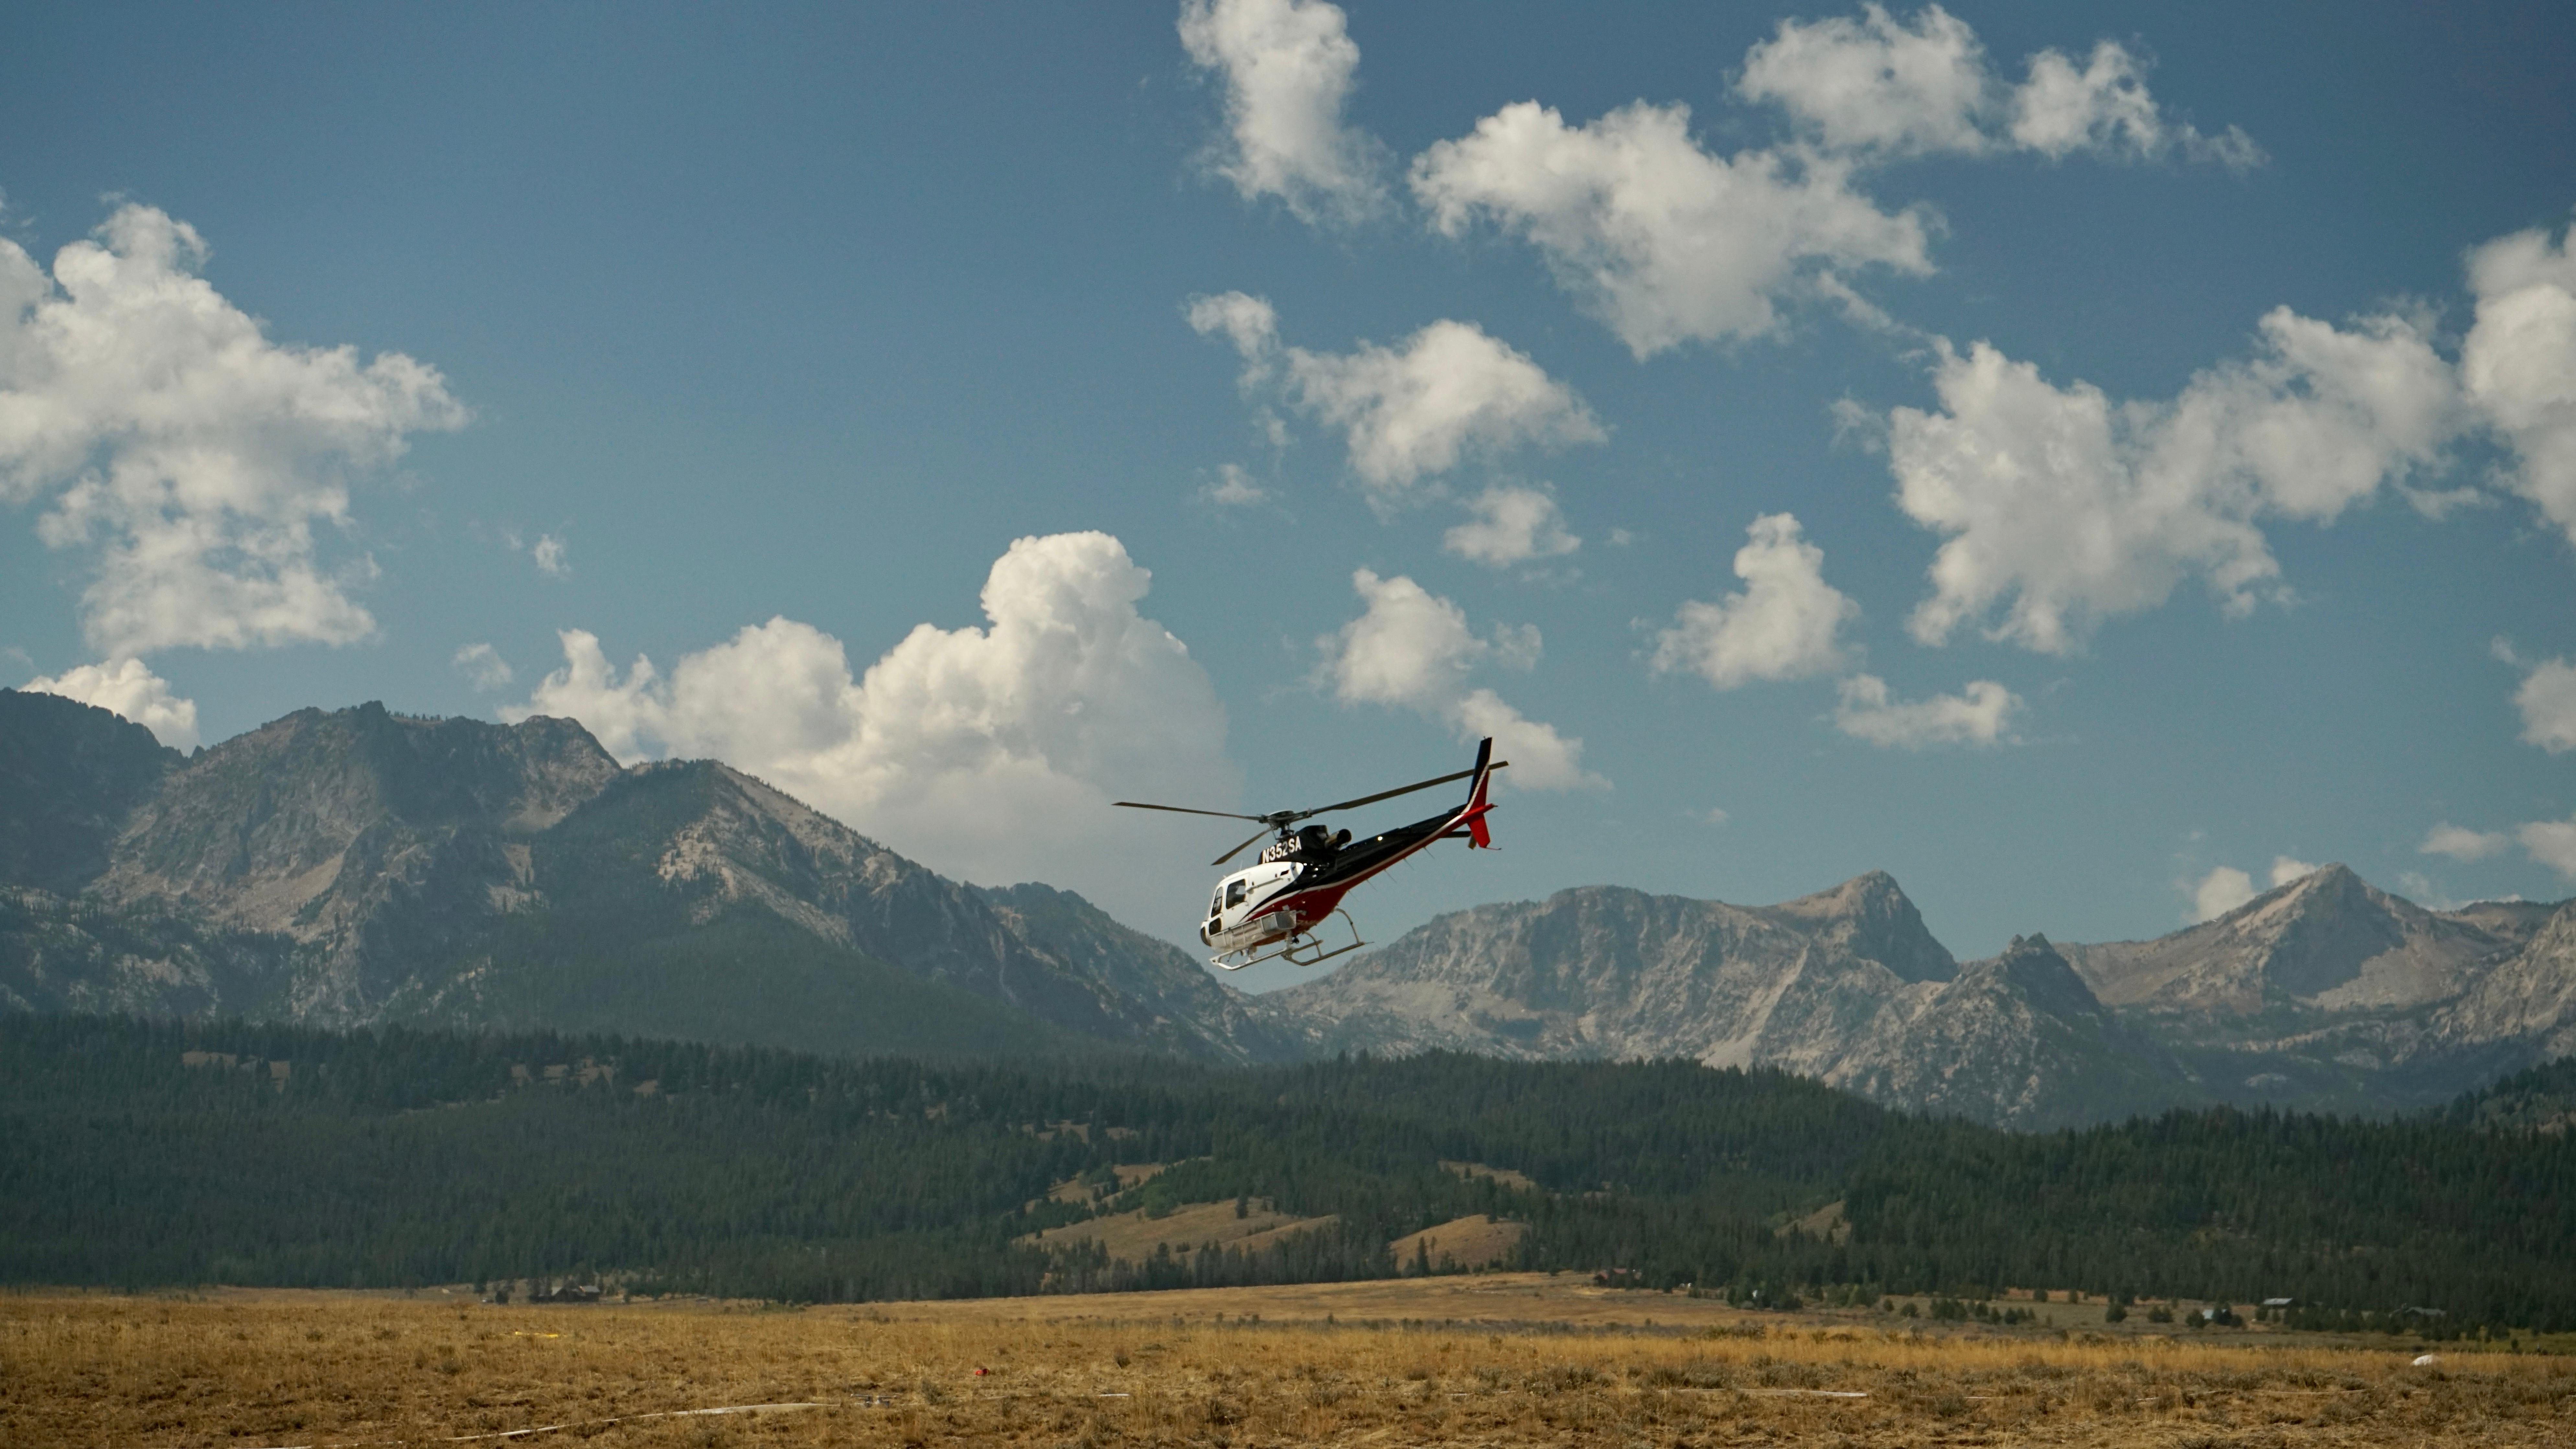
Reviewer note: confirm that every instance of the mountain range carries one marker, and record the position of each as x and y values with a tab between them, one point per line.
362	867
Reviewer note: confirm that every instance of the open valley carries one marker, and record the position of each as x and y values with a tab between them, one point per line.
1497	1359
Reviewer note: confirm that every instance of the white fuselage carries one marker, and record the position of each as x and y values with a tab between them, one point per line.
1245	910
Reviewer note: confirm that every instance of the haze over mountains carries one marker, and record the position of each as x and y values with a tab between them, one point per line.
360	867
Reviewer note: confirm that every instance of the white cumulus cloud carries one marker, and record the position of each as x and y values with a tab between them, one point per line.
1878	83
2220	891
1783	625
129	688
2286	869
191	456
2519	363
1980	716
2104	106
2461	843
2552	843
1889	87
1287	68
483	666
988	753
1234	488
1666	242
2066	508
1412	649
1408	412
1511	525
549	556
1541	758
2547	700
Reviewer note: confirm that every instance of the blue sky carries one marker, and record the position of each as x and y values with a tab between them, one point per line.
1426	410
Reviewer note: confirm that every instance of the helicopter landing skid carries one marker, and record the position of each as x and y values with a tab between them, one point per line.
1302	949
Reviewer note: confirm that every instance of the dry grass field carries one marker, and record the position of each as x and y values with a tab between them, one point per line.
1506	1359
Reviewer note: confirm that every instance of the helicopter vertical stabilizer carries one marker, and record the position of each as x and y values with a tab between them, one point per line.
1478	836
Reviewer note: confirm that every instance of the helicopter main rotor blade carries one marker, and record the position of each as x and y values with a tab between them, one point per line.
1282	819
1186	810
1386	794
1238	850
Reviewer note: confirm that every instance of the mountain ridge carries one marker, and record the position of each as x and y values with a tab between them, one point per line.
354	866
351	866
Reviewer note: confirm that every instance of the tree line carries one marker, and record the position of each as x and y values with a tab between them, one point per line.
399	1157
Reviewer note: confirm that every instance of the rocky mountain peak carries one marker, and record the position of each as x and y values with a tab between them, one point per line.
360	865
257	828
2016	1039
2325	925
2529	998
2326	942
2035	969
1870	916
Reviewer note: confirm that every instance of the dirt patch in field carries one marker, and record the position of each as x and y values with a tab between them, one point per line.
1469	1242
1825	1222
1135	1237
1082	1194
1504	1175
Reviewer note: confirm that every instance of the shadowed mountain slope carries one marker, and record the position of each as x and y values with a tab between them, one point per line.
359	866
69	775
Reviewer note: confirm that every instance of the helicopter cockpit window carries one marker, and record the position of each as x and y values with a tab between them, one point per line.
1234	894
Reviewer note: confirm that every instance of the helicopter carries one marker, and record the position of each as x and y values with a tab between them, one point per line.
1272	910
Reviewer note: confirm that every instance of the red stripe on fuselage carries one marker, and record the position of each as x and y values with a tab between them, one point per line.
1309	905
1320	900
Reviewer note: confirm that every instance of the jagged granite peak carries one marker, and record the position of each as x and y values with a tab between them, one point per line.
1870	916
2513	921
358	865
2328	942
2035	969
2018	1041
1812	986
259	831
1604	971
2529	1000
